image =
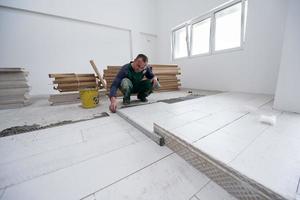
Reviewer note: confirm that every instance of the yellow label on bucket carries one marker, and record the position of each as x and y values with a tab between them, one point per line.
89	98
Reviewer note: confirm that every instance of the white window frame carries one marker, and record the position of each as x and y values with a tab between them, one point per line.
242	28
185	25
210	14
192	23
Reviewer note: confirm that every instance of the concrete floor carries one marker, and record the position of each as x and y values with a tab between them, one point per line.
104	158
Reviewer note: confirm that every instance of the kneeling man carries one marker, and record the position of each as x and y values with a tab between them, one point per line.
130	79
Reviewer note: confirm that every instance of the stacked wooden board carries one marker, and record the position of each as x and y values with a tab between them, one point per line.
70	82
167	75
14	88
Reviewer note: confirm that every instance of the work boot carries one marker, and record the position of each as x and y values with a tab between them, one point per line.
126	101
142	98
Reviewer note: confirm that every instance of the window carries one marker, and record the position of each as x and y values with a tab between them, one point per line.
228	27
223	28
245	19
180	43
200	37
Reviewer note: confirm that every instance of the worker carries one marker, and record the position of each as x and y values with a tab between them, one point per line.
131	79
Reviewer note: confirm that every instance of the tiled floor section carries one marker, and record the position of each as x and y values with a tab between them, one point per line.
278	167
151	183
40	112
212	191
226	126
103	158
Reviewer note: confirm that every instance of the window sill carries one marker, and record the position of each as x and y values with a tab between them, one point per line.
212	53
181	58
228	50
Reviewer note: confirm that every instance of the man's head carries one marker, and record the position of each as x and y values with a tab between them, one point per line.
140	62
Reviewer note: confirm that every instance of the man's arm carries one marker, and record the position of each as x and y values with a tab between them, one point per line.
117	81
114	88
149	74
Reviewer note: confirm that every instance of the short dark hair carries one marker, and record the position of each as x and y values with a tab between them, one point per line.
143	57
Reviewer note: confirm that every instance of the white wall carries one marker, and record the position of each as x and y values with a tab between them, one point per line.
62	35
48	36
288	93
253	69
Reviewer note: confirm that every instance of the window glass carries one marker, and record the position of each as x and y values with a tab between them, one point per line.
180	43
245	19
228	27
200	37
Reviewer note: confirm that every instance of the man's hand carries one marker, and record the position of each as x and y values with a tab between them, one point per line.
155	82
113	104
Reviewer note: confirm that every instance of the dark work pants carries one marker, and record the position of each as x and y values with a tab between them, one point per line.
142	88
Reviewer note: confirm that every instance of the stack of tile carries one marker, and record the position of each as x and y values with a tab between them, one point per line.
14	88
167	75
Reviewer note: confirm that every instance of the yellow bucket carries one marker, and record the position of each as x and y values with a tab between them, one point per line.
89	98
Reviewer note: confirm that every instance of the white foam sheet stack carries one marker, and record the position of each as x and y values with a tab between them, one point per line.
14	88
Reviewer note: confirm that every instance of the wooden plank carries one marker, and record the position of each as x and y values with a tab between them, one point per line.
79	84
114	67
160	65
161	83
156	73
170	84
153	69
79	76
98	73
72	89
69	75
152	65
169	81
162	77
169	87
74	79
